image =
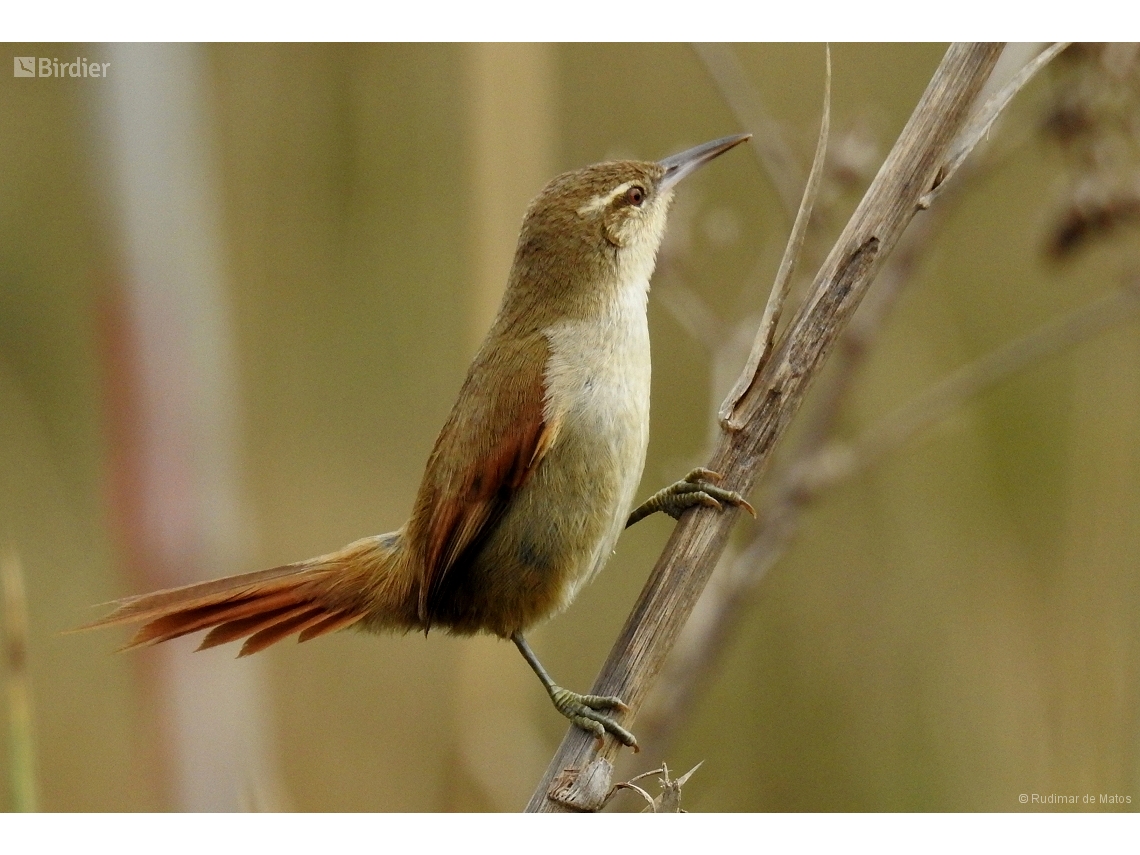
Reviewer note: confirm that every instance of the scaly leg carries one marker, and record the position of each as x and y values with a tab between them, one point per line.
582	710
697	488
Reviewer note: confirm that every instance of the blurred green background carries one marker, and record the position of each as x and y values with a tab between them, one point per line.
239	288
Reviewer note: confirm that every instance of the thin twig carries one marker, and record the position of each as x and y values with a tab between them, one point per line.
772	151
627	785
983	120
766	334
772	400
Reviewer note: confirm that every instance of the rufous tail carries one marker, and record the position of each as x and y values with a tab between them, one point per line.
309	598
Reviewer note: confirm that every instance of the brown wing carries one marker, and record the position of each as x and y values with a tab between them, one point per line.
494	438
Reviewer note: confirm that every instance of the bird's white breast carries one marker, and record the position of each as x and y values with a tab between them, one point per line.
597	387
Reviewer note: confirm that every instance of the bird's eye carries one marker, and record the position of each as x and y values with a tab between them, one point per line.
635	195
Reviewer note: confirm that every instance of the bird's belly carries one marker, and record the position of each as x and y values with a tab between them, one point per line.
562	525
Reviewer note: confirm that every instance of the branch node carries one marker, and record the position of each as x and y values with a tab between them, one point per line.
583	789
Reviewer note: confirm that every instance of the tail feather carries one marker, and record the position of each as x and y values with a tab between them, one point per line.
144	607
310	598
240	627
283	628
332	623
166	625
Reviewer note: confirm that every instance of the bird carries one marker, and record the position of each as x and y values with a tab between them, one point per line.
533	475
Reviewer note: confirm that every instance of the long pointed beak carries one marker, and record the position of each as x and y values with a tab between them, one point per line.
677	166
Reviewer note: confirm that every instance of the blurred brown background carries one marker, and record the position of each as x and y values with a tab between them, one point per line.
239	287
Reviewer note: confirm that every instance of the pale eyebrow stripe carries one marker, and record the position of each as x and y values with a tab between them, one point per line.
603	199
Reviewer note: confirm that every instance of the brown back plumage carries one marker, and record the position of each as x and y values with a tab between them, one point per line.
309	598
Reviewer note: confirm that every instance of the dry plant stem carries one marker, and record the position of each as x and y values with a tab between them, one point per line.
721	604
810	471
773	398
670	799
983	119
766	335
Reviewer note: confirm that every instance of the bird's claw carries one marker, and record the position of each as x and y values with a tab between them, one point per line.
586	712
697	488
705	491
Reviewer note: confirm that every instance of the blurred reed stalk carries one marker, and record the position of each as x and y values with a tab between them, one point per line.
22	770
173	414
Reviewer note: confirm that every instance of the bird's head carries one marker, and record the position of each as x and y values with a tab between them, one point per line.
600	227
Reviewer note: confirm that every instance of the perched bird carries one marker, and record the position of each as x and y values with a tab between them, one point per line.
533	475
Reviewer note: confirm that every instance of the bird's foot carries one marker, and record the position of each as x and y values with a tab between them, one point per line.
697	488
586	712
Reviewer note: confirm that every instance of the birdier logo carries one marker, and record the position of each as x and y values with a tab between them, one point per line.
44	66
